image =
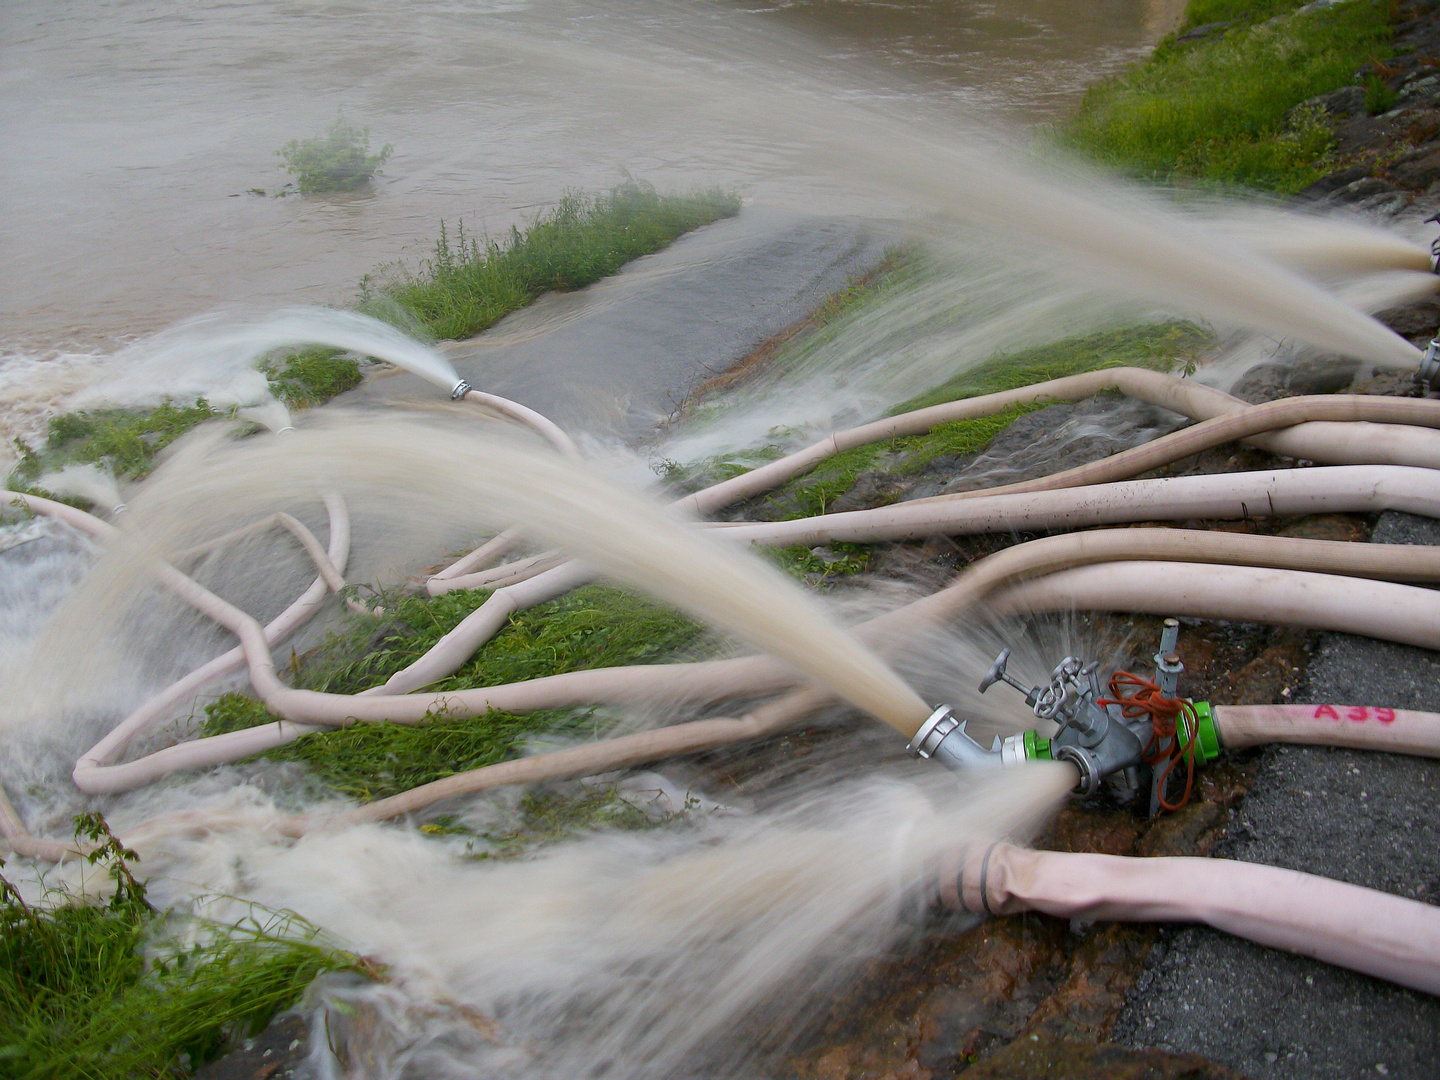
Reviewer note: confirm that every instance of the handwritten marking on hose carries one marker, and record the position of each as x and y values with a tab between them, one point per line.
1358	713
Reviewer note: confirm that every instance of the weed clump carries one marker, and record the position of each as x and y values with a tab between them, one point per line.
312	376
1222	109
468	283
338	160
110	992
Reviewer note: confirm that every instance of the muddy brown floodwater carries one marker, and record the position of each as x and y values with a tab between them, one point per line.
138	135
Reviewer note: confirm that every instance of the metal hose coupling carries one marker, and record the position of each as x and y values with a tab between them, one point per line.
1427	375
944	738
459	390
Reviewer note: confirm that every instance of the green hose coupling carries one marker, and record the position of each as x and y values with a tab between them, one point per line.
1037	747
1207	738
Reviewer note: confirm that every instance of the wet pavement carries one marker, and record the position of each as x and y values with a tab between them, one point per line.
621	355
1365	818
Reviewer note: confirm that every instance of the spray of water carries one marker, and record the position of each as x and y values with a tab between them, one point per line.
214	356
90	482
698	950
434	475
273	415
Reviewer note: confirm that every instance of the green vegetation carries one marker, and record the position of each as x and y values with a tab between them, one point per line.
339	160
470	283
127	441
549	817
312	376
1222	109
1157	346
117	992
1160	347
596	626
375	761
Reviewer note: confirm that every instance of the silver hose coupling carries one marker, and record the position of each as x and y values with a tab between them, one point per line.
459	390
944	738
1428	373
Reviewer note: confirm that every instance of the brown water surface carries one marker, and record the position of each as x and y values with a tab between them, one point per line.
136	129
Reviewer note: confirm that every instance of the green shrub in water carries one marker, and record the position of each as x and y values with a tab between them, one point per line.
338	160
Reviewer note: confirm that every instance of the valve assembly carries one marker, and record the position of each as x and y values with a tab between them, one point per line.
1129	743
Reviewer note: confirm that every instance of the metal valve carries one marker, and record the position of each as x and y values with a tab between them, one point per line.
1099	739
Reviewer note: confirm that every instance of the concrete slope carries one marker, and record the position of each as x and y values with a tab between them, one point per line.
620	355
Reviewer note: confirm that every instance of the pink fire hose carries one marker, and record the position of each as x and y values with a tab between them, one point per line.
1359	727
1347	925
1317	440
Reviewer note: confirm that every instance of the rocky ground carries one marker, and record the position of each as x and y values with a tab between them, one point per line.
1387	124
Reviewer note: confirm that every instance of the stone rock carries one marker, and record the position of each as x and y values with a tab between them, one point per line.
1312	375
1207	30
1328	185
1419	171
1348	101
1413	320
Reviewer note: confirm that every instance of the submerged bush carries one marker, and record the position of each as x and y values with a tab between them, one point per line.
339	160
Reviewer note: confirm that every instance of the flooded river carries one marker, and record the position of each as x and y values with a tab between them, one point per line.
136	130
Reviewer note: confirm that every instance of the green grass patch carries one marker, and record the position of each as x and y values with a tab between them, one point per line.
109	993
596	626
375	761
820	565
470	283
1222	109
127	441
1157	346
312	376
1160	347
551	817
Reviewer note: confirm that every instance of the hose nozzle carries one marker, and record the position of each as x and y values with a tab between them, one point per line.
459	390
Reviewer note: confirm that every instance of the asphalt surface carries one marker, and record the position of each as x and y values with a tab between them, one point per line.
619	356
1367	818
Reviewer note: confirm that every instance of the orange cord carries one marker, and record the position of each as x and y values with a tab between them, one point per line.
1147	699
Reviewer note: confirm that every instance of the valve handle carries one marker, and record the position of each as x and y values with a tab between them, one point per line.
996	672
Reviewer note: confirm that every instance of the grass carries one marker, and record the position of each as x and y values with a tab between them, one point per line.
550	817
470	283
1162	346
1222	110
128	441
312	376
596	626
338	160
107	992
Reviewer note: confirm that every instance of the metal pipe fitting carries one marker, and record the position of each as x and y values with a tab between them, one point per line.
1427	375
944	738
1085	764
459	390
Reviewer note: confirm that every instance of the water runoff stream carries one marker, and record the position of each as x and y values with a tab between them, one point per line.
137	132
